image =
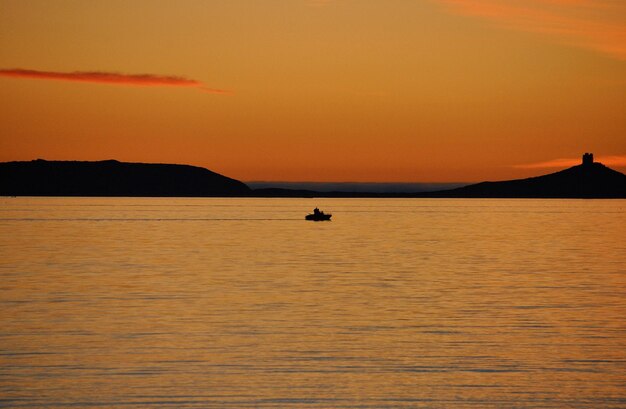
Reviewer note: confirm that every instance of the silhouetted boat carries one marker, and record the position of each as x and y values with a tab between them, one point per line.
318	216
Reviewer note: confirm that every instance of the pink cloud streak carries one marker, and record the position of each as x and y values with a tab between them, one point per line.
598	25
141	80
611	160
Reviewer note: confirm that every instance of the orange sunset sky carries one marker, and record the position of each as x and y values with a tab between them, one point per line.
314	90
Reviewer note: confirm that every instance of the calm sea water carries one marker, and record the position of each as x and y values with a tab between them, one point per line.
240	303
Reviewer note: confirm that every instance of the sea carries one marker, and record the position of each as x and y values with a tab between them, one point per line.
241	303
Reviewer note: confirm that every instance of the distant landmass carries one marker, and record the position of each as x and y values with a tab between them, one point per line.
356	187
588	180
112	178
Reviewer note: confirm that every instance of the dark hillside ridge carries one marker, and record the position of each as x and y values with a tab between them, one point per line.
113	178
585	181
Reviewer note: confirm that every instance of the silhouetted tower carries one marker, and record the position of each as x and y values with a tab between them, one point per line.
587	158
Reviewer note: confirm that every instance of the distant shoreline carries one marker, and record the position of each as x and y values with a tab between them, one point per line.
358	187
112	178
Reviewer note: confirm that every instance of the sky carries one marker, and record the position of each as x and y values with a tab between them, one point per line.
426	91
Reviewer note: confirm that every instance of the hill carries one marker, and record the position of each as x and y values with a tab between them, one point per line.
588	180
113	178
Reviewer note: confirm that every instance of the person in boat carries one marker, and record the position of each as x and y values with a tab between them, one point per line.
318	215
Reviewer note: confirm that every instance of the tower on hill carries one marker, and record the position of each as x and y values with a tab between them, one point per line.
587	158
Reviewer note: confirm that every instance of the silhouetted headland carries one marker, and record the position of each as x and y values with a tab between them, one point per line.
588	180
113	178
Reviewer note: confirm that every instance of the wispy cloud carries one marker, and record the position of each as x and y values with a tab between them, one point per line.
553	163
614	160
599	25
215	91
140	80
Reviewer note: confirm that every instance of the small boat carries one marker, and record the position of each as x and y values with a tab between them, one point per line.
318	216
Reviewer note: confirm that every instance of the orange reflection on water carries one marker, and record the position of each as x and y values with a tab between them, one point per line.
241	303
